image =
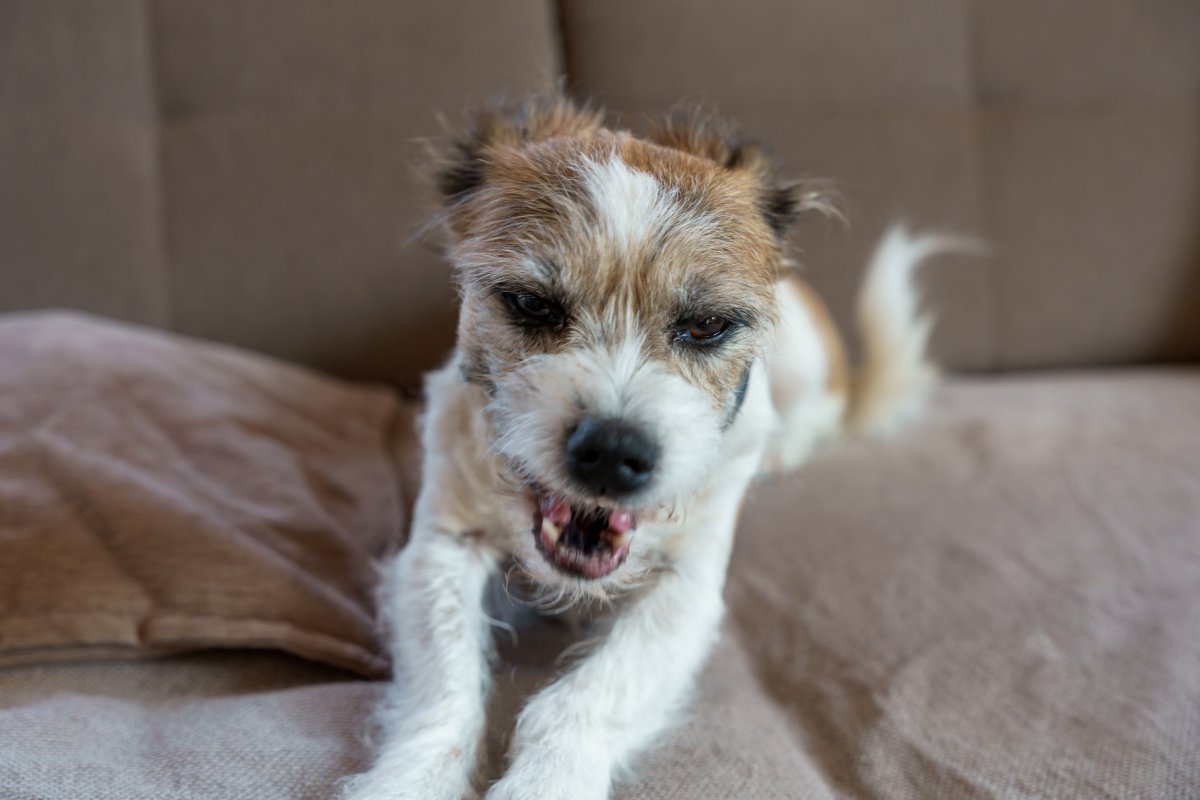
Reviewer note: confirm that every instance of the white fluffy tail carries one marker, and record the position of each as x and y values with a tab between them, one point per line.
889	387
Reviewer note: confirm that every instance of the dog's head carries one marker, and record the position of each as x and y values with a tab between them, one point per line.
616	291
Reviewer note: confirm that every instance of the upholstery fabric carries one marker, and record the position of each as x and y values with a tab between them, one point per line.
1065	134
1000	604
997	605
159	495
240	725
249	171
80	202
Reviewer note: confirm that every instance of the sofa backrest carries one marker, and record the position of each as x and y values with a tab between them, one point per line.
245	170
1065	133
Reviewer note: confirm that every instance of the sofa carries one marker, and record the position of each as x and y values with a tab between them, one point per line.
218	297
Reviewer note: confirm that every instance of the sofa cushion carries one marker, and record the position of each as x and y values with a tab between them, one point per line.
159	495
247	171
1010	119
997	605
1001	604
80	206
263	726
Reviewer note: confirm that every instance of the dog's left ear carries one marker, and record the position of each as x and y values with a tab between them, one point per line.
699	133
463	169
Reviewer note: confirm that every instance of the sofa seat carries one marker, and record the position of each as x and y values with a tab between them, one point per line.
1000	604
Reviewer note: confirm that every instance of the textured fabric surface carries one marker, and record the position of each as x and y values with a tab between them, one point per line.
998	605
248	171
264	727
80	207
1063	133
251	726
159	495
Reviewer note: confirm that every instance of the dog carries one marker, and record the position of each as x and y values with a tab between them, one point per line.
633	350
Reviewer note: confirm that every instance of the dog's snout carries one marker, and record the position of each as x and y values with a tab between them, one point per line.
611	457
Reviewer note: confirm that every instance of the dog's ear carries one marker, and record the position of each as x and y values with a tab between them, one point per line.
783	203
540	117
698	132
780	207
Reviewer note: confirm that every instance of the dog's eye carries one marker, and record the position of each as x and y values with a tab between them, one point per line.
533	310
704	330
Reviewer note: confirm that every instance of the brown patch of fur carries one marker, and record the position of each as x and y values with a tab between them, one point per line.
837	382
467	164
700	133
522	219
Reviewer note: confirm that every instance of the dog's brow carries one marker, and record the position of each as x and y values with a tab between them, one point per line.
741	316
523	273
541	269
702	298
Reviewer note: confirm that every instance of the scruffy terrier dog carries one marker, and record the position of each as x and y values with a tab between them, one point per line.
632	351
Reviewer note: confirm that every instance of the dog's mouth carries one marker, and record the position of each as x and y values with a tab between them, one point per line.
585	542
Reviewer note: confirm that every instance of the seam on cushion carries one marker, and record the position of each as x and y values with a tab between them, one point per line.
562	53
104	652
307	635
121	615
150	30
308	644
990	328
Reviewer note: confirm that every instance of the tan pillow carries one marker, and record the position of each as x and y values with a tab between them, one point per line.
160	495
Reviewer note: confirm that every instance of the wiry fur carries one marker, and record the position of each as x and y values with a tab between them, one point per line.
890	387
631	241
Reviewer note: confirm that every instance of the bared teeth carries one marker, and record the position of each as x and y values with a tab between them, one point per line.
557	510
587	542
550	534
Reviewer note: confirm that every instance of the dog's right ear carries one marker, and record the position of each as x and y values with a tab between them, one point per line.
699	132
542	116
463	171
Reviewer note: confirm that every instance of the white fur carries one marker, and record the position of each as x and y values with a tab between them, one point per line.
631	204
576	735
433	718
536	403
608	376
889	389
806	412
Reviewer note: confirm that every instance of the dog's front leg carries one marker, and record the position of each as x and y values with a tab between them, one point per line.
574	735
433	719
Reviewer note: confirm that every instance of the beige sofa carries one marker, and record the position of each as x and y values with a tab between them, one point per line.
1001	604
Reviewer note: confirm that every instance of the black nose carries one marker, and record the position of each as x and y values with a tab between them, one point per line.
611	457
